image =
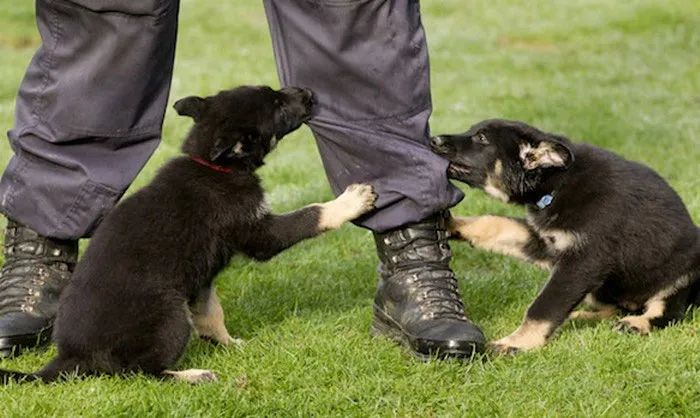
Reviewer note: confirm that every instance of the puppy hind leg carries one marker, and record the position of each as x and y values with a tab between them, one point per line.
657	314
208	318
665	307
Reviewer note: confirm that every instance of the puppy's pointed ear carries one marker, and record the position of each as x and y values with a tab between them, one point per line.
547	153
226	149
191	106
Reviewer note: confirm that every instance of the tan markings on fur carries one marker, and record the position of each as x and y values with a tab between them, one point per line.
559	240
542	156
356	200
654	307
595	309
495	233
531	334
606	312
494	183
193	376
208	319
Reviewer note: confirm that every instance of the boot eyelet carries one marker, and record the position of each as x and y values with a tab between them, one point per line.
56	252
387	241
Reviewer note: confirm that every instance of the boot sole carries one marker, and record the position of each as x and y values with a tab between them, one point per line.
13	346
384	326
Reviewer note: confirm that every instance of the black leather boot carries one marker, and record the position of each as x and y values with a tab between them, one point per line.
418	302
35	272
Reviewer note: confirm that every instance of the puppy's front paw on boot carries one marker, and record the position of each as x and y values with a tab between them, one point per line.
418	303
355	201
35	272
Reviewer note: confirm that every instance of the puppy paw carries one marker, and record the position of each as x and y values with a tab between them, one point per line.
603	313
193	376
233	342
457	227
355	201
362	197
225	340
503	349
530	335
633	324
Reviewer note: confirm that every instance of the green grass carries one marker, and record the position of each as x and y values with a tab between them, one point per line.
622	75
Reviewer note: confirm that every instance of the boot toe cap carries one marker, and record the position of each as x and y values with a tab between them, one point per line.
452	338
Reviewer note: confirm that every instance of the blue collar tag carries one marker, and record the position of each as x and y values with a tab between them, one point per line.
545	201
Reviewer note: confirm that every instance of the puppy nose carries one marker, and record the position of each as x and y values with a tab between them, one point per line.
308	96
437	141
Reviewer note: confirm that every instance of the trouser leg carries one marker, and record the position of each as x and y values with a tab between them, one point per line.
89	110
367	63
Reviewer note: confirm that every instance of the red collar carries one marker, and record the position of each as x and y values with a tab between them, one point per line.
213	166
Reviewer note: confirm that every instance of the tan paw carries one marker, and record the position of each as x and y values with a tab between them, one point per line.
503	348
603	313
355	201
530	335
225	340
193	376
360	198
634	324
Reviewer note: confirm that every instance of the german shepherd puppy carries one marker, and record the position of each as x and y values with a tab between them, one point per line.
146	278
612	231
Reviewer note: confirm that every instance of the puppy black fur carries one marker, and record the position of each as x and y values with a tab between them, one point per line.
153	259
611	230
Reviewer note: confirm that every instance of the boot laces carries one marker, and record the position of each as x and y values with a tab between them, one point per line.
438	294
32	266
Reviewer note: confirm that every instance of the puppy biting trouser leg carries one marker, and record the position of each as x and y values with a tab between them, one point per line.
367	63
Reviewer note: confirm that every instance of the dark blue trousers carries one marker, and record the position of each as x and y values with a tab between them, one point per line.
90	108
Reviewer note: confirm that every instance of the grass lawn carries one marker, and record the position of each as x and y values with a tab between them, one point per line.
622	75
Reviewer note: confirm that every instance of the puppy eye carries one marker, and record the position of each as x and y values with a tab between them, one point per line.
480	138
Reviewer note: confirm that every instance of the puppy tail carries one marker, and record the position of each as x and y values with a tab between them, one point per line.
56	369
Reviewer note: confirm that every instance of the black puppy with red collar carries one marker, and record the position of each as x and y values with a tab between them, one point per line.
146	278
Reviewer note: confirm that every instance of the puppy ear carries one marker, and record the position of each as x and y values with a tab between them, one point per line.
191	106
226	149
547	153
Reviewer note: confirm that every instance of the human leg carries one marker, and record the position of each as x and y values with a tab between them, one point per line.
88	116
367	63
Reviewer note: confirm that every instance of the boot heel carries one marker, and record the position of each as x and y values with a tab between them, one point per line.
383	326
